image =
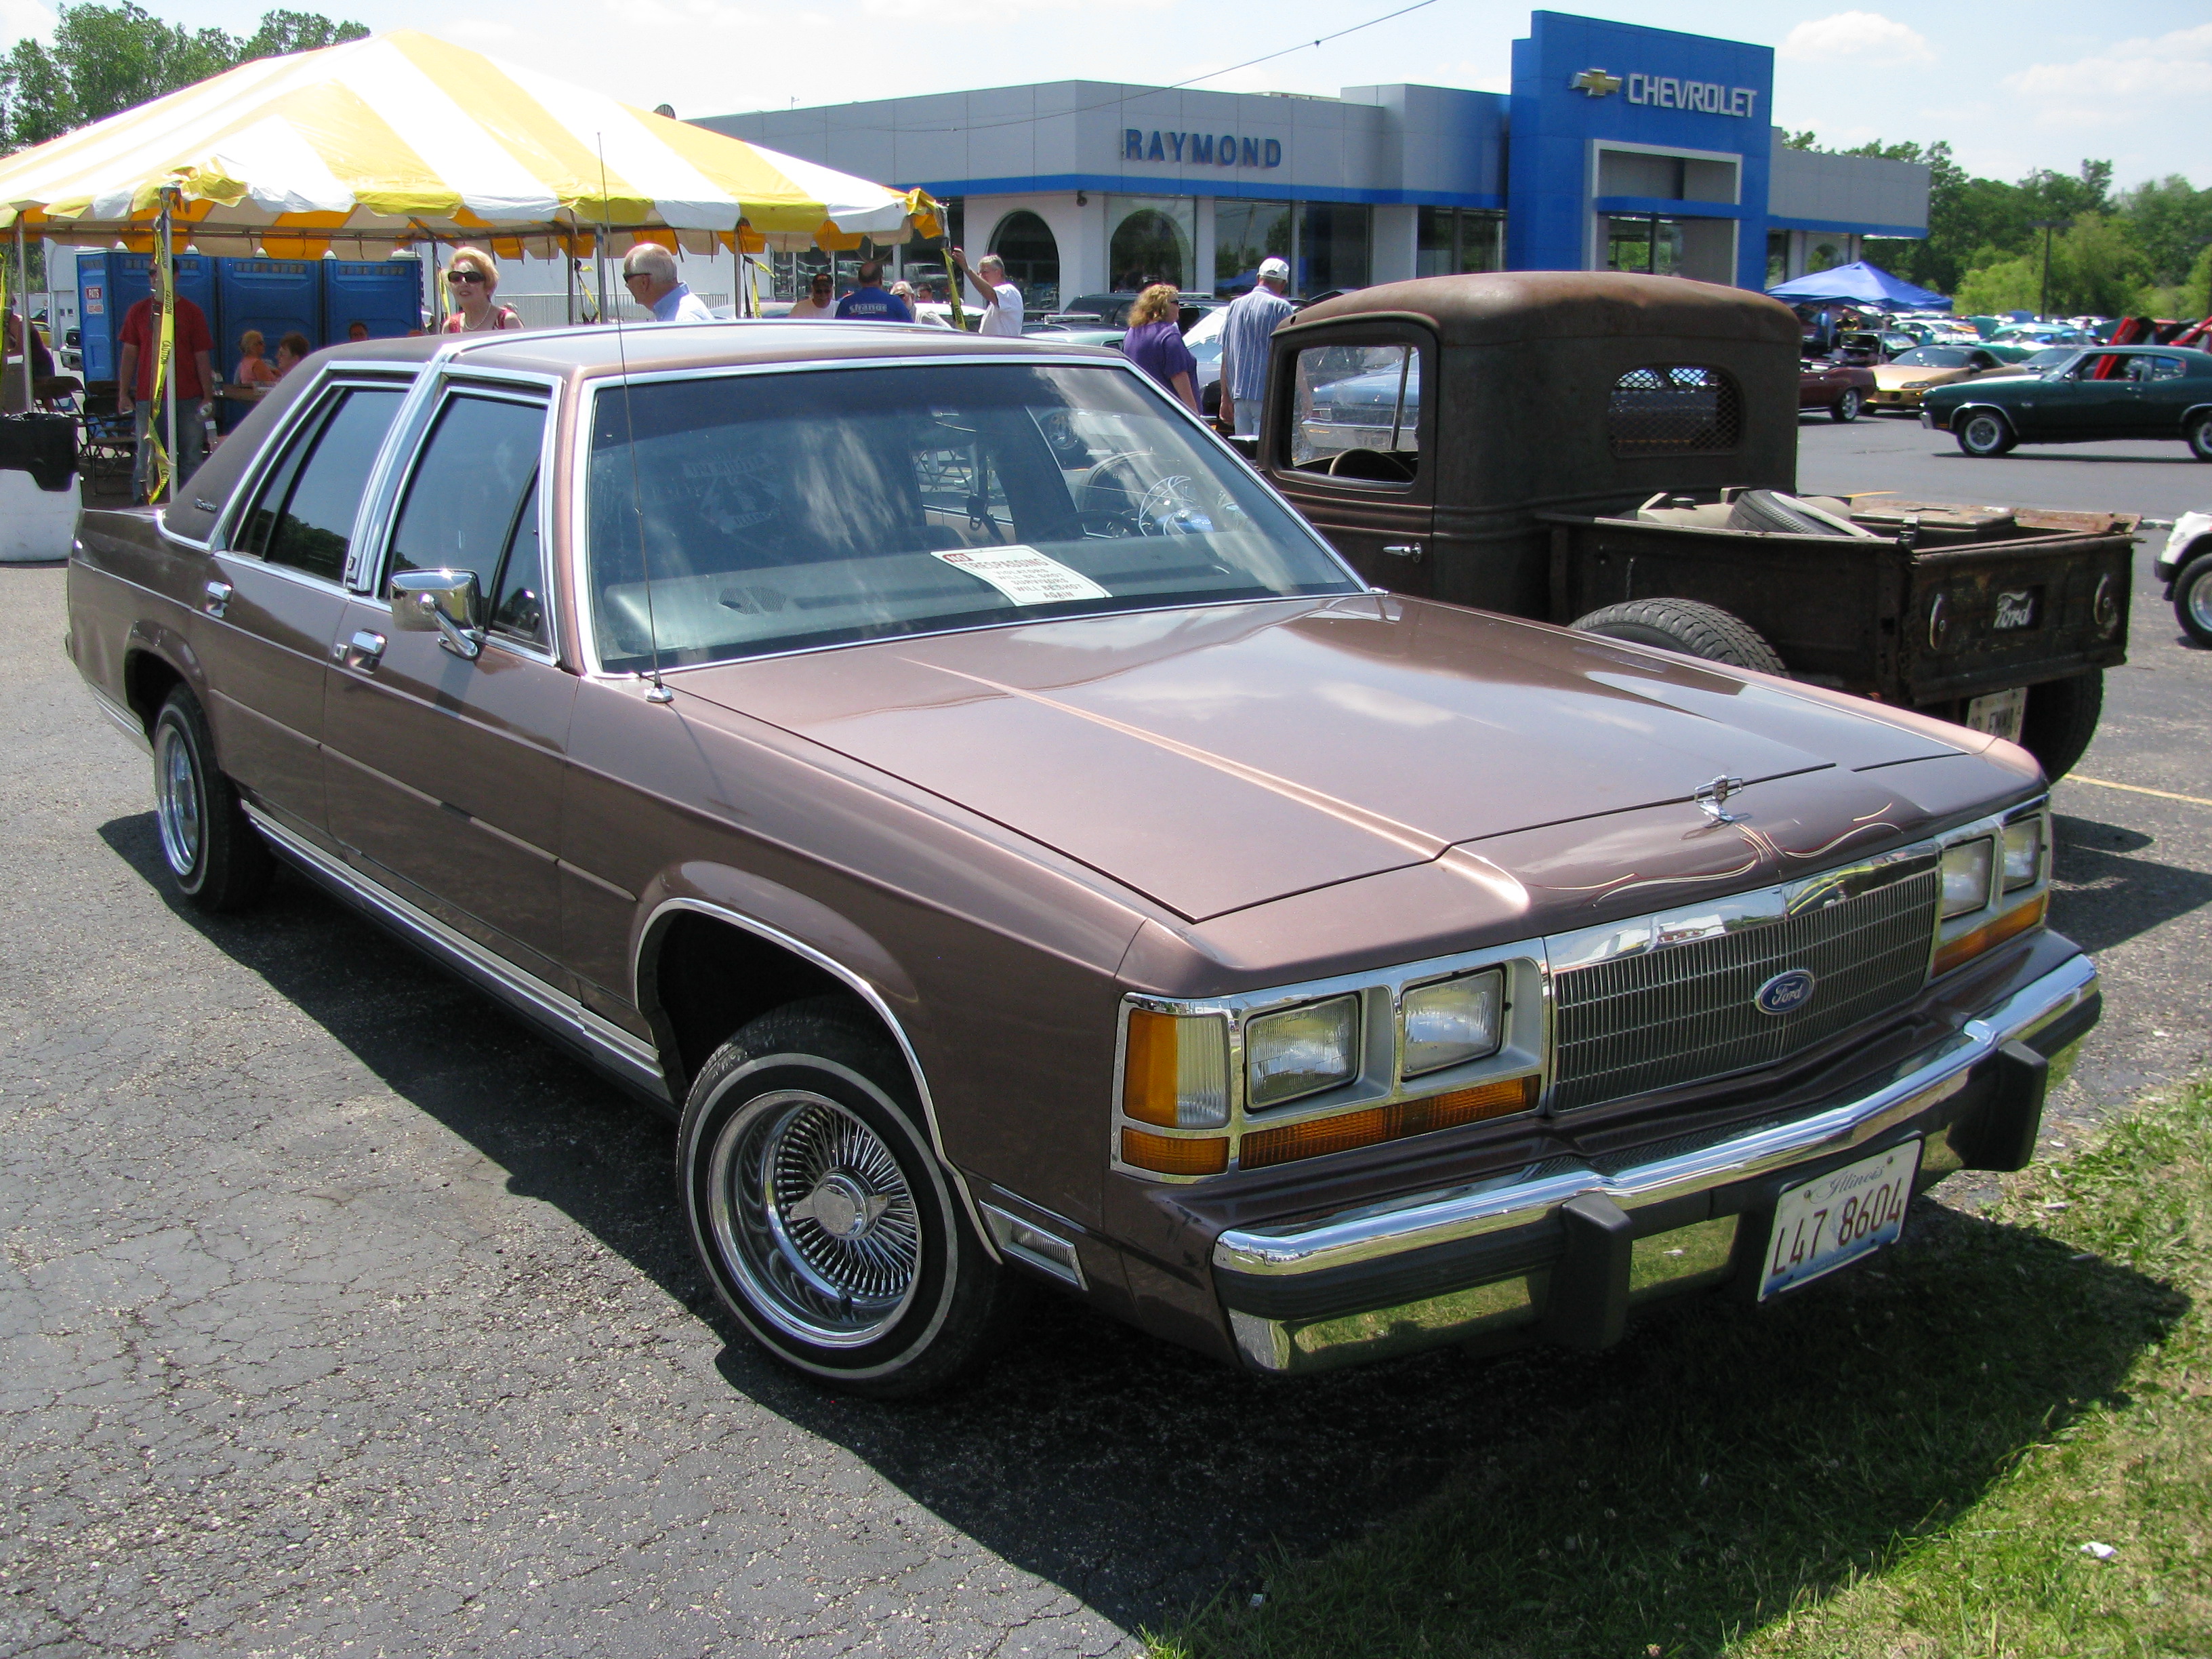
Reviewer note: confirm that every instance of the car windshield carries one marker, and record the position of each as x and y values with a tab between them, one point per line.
1931	357
780	511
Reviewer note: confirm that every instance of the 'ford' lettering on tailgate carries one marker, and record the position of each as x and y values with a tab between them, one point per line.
2015	610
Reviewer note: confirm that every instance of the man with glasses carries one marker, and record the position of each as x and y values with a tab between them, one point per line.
649	273
816	305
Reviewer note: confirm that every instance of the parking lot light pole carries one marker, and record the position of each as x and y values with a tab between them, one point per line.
2046	225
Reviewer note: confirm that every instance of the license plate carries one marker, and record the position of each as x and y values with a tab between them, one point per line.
1835	1218
1999	714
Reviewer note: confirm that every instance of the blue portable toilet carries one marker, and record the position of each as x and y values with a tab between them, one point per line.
385	293
276	296
109	282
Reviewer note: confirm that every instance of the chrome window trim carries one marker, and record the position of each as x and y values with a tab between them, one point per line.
334	376
854	981
1525	1044
580	455
395	473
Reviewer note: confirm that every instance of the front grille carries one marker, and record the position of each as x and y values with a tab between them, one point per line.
1684	1013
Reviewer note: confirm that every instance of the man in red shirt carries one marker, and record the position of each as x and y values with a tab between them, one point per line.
192	378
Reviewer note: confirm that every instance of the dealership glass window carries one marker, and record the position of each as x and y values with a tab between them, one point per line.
1154	240
1454	241
1332	245
1778	257
1025	242
1245	233
1643	242
1823	256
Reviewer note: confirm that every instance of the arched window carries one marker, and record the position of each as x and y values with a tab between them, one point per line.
1148	247
1025	243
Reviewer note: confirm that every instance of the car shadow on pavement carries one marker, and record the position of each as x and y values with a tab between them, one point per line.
1148	1480
2102	895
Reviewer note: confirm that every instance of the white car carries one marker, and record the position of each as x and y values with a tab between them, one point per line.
2185	567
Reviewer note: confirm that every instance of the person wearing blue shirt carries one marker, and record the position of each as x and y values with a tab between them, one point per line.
871	302
649	273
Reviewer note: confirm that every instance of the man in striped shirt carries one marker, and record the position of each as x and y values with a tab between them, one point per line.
1252	318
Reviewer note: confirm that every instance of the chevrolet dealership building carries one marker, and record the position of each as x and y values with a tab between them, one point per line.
1619	148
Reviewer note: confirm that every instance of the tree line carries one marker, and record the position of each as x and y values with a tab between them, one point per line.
2142	252
105	59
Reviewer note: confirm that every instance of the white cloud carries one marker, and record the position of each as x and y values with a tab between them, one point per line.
2109	88
22	18
1856	34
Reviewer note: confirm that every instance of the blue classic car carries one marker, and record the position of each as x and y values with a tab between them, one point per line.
2102	392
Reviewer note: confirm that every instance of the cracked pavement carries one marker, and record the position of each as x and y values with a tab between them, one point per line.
339	1314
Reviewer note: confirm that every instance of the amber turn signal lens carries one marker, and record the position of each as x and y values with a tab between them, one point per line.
1989	935
1377	1124
1144	1150
1176	1072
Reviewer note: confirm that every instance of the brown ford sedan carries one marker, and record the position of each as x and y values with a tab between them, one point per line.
1020	850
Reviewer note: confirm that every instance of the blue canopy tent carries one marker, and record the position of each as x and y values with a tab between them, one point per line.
1858	285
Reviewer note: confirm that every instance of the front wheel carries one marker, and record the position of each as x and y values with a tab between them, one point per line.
1985	433
2199	435
1846	408
822	1214
2192	598
217	858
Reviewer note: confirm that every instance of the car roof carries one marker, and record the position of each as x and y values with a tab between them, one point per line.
1498	307
595	350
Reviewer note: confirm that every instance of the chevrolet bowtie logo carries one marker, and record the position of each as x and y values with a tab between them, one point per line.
1596	81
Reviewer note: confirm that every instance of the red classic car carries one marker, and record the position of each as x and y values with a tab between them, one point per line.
1842	389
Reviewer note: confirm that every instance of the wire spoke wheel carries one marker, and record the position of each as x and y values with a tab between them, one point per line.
178	806
813	1212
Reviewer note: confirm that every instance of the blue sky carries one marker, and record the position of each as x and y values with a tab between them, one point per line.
2012	86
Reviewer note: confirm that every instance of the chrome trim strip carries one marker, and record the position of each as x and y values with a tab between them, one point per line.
628	1057
1519	1198
861	988
125	721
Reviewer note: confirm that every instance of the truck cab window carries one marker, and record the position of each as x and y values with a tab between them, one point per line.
303	516
1357	412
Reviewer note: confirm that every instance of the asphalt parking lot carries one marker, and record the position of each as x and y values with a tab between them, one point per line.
339	1314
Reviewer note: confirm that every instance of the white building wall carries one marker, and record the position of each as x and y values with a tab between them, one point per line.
1397	240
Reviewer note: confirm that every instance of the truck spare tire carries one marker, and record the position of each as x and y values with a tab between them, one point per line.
1790	515
1689	626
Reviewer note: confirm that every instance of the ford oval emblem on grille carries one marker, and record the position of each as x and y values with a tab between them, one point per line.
1785	993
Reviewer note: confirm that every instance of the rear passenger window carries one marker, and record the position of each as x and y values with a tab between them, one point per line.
303	516
472	505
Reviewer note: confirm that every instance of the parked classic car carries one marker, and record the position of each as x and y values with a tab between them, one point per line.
2100	393
2185	565
1017	848
1842	389
1900	384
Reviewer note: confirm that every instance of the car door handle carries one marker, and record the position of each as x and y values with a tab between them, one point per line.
1403	550
216	599
363	651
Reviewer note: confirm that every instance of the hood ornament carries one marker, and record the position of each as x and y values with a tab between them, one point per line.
1712	798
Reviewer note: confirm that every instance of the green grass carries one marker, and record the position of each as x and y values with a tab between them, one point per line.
1902	1463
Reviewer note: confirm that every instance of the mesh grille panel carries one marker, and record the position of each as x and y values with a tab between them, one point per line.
1673	409
1685	1013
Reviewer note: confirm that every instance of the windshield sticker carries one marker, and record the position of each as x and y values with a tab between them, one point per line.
1023	575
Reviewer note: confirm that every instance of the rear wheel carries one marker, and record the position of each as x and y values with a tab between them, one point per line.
2199	433
2192	598
217	858
821	1213
1693	629
1984	433
1846	408
2060	720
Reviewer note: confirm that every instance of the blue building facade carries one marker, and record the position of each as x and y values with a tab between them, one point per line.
1619	147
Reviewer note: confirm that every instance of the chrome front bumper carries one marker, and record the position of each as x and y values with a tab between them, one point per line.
1569	1246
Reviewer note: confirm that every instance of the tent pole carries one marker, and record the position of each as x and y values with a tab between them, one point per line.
600	264
23	301
568	276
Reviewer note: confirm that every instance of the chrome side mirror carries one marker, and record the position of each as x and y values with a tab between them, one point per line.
446	603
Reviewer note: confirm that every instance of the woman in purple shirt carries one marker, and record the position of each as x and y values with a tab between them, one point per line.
1154	341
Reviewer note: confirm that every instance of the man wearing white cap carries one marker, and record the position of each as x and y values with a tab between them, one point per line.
1244	332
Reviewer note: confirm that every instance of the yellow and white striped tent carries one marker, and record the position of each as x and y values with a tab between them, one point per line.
388	141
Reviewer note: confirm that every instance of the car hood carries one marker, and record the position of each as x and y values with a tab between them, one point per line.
1218	758
1890	378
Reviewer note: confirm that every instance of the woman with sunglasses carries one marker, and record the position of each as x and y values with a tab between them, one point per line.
471	278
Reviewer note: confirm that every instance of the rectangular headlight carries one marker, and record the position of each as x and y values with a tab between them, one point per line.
1453	1021
1302	1051
1966	876
1175	1071
2023	854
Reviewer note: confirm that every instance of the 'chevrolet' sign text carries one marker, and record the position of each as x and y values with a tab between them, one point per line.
1707	97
